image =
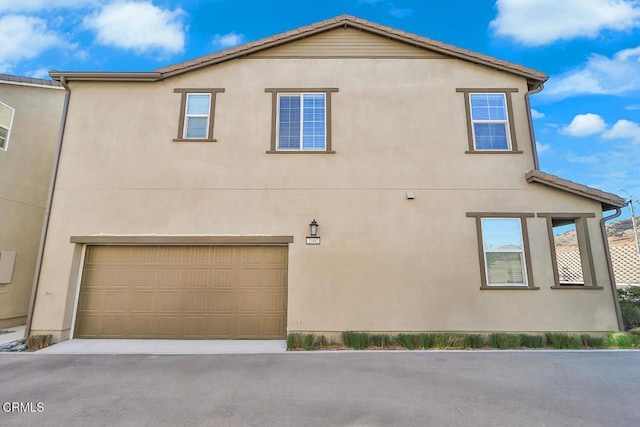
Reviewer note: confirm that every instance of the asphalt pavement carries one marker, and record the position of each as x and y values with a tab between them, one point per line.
419	388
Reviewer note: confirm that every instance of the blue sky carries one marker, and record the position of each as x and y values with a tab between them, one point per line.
587	120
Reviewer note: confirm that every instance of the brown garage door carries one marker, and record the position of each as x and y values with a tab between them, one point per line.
184	292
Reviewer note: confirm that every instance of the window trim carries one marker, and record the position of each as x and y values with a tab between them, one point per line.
183	107
484	285
586	255
6	141
275	113
507	92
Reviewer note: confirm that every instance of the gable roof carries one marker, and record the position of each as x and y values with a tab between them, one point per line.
608	200
28	81
534	77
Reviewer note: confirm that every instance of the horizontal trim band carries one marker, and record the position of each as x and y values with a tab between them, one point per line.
182	240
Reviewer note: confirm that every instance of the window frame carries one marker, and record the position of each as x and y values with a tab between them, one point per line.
511	134
5	146
527	267
584	247
182	129
275	119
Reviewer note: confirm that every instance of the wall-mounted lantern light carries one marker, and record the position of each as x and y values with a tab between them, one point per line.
313	228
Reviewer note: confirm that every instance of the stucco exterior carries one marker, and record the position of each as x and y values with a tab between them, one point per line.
25	172
385	262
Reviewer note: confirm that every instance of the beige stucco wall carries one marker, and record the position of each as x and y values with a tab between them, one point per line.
25	171
385	263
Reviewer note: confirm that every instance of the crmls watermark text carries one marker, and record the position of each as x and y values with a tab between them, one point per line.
23	407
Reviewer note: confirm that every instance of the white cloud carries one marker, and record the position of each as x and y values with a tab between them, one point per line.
138	26
632	107
227	40
623	129
535	114
584	125
43	5
599	75
590	159
542	148
29	37
539	22
40	73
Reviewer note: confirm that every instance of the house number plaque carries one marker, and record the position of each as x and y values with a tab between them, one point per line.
313	240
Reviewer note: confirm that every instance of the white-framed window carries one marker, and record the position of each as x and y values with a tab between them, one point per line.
196	117
6	120
301	122
504	252
197	109
490	121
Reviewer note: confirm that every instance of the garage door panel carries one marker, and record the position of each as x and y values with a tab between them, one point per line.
144	255
142	278
107	276
115	255
194	278
187	292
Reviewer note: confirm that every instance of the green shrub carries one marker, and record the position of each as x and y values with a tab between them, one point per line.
532	341
426	340
309	341
592	342
621	340
356	340
381	340
502	340
563	341
408	341
473	341
295	341
630	306
445	340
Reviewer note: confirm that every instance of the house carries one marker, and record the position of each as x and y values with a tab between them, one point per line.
340	176
30	110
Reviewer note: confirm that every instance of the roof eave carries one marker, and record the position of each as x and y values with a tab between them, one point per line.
106	76
608	200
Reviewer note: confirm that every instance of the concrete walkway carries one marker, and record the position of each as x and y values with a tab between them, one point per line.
112	346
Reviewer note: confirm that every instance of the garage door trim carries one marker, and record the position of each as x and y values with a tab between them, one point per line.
181	240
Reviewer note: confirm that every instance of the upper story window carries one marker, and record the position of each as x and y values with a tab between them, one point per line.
503	250
197	114
301	120
490	120
490	125
6	119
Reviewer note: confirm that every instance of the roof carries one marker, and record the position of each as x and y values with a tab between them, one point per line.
608	200
28	81
534	77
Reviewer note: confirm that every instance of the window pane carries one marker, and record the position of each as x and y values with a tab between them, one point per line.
505	267
3	137
289	122
196	127
5	116
488	106
491	136
314	122
501	234
198	103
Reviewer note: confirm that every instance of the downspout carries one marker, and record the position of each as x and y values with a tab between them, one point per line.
47	209
535	90
612	277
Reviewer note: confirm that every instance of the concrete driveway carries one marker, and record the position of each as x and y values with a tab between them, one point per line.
561	388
